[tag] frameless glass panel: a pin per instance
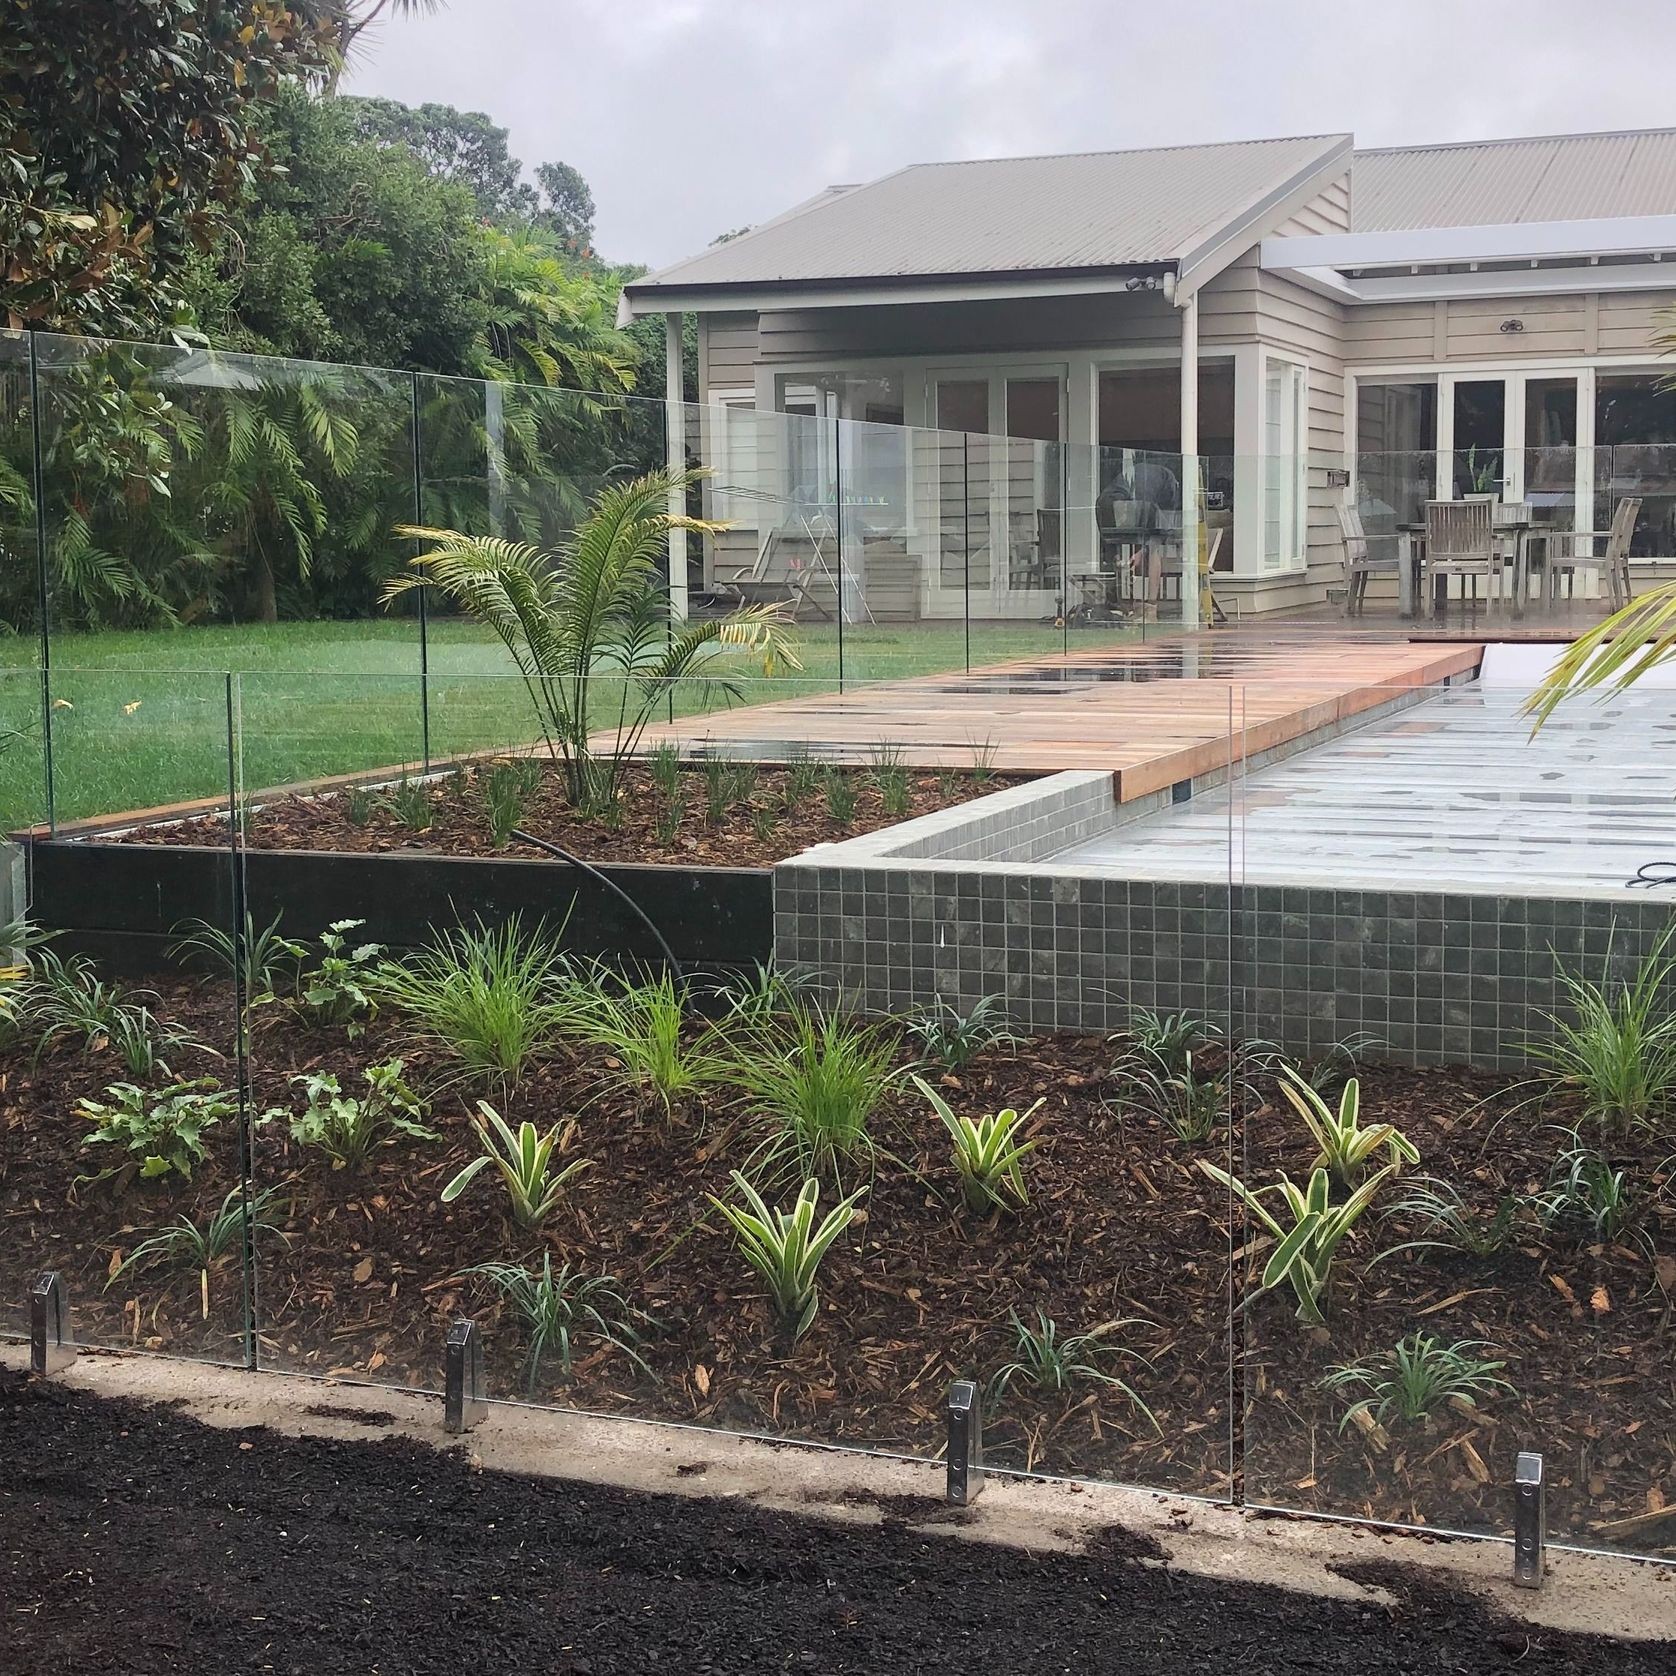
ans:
(1396, 463)
(1635, 455)
(121, 1068)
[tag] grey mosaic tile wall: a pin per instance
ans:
(1438, 978)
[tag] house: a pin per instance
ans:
(955, 377)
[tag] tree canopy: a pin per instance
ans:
(124, 131)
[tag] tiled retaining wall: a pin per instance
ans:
(1437, 978)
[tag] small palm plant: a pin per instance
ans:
(786, 1247)
(590, 630)
(1307, 1240)
(199, 1246)
(561, 1306)
(1411, 1382)
(1346, 1147)
(989, 1152)
(1053, 1360)
(527, 1162)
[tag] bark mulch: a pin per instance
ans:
(142, 1541)
(766, 819)
(367, 1269)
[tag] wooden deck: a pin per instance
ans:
(1154, 713)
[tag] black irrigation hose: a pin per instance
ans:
(1652, 875)
(615, 889)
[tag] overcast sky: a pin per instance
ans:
(691, 117)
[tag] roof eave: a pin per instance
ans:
(643, 297)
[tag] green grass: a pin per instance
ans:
(140, 718)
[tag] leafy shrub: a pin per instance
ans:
(65, 1000)
(164, 1130)
(1587, 1198)
(348, 1129)
(559, 1308)
(890, 779)
(646, 1028)
(786, 1247)
(1618, 1049)
(839, 790)
(727, 786)
(950, 1039)
(1191, 1102)
(1449, 1223)
(1052, 1360)
(503, 802)
(338, 989)
(263, 956)
(489, 997)
(663, 764)
(1411, 1382)
(188, 1244)
(528, 1164)
(1164, 1040)
(1345, 1146)
(813, 1083)
(410, 803)
(989, 1152)
(1308, 1238)
(768, 991)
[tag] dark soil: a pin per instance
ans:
(765, 819)
(367, 1269)
(139, 1541)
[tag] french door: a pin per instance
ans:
(1520, 436)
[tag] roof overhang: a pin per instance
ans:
(1623, 253)
(641, 299)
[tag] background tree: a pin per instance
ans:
(565, 206)
(125, 130)
(460, 146)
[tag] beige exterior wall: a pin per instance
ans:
(1579, 326)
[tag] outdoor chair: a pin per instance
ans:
(1461, 541)
(1564, 555)
(1359, 564)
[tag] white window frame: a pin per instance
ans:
(1292, 516)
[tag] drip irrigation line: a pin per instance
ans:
(615, 889)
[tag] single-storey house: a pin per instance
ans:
(971, 360)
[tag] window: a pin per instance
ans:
(732, 454)
(1635, 454)
(1284, 499)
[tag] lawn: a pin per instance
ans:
(141, 719)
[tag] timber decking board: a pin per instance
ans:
(1153, 713)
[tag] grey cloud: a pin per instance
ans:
(689, 117)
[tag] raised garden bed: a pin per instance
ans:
(366, 1268)
(732, 815)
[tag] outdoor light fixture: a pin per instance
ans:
(1511, 326)
(965, 1451)
(52, 1339)
(1528, 1521)
(1143, 282)
(463, 1404)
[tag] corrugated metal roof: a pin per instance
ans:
(1564, 177)
(1107, 209)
